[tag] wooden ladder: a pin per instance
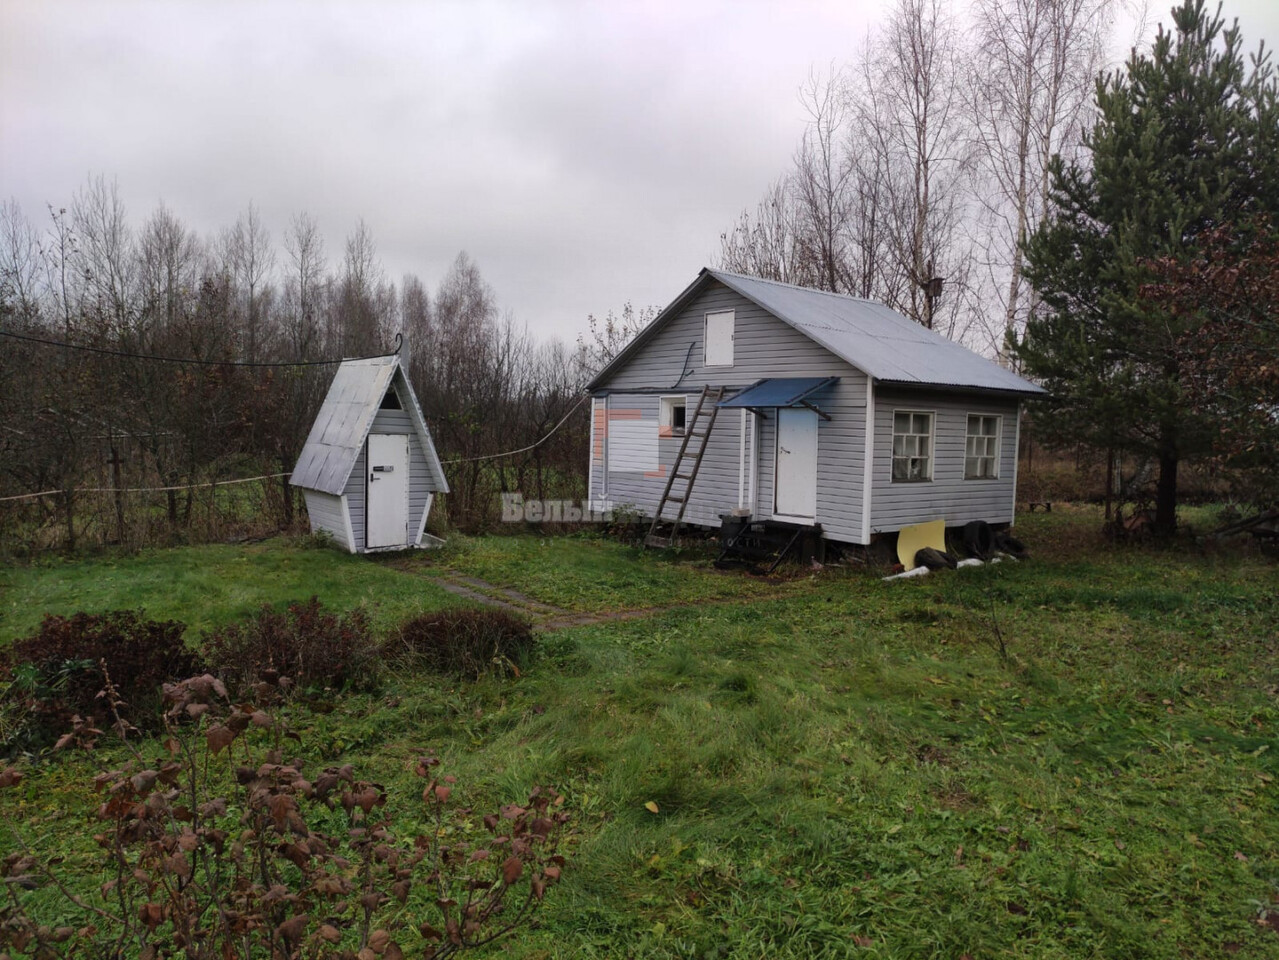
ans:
(699, 426)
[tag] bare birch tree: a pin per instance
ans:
(250, 261)
(21, 263)
(821, 184)
(105, 258)
(912, 79)
(1028, 94)
(767, 245)
(304, 286)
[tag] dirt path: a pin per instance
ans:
(545, 616)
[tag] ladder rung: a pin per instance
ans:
(674, 499)
(694, 433)
(683, 476)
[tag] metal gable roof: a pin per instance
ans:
(876, 339)
(872, 337)
(344, 420)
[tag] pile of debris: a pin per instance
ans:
(922, 548)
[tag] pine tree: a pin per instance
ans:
(1184, 144)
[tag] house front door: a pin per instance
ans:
(387, 505)
(796, 486)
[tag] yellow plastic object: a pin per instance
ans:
(910, 540)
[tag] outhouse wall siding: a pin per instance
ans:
(763, 346)
(355, 492)
(325, 511)
(948, 496)
(390, 422)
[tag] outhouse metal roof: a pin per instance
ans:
(344, 420)
(778, 392)
(872, 337)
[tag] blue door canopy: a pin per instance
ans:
(779, 392)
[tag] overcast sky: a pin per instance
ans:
(584, 154)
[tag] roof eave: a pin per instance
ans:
(1030, 391)
(650, 331)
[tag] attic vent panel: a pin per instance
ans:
(719, 339)
(391, 401)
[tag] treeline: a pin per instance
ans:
(924, 164)
(1112, 234)
(95, 425)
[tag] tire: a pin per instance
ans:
(979, 539)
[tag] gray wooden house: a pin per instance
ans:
(369, 471)
(829, 411)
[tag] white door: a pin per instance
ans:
(386, 522)
(796, 489)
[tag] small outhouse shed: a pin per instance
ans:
(831, 412)
(369, 470)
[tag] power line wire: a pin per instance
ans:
(192, 361)
(272, 476)
(531, 446)
(182, 486)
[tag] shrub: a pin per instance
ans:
(466, 642)
(58, 672)
(316, 647)
(235, 850)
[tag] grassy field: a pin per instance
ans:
(839, 766)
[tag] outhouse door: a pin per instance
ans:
(796, 487)
(387, 506)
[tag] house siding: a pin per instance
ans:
(325, 511)
(715, 490)
(948, 496)
(763, 346)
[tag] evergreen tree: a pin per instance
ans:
(1184, 144)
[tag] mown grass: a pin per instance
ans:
(851, 768)
(590, 574)
(207, 586)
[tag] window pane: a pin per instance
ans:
(989, 426)
(901, 423)
(899, 446)
(972, 467)
(899, 469)
(921, 423)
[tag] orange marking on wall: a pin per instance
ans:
(598, 430)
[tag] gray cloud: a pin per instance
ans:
(583, 153)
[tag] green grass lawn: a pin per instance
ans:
(208, 586)
(841, 767)
(592, 575)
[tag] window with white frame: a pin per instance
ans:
(912, 446)
(981, 447)
(671, 416)
(718, 339)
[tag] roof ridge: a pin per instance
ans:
(796, 286)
